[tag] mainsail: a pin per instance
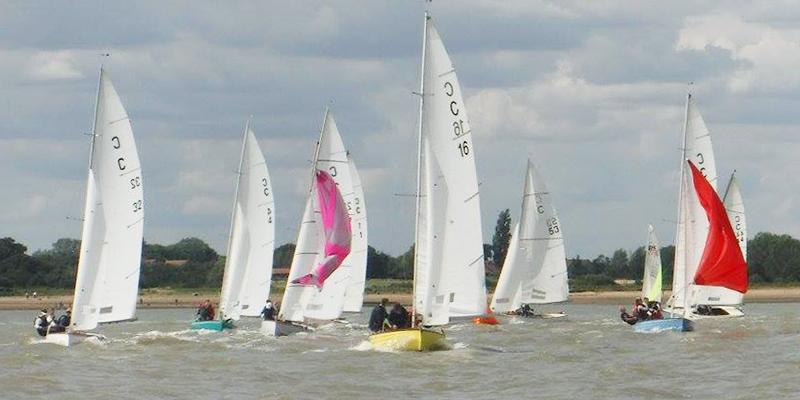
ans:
(107, 281)
(535, 270)
(651, 281)
(248, 265)
(734, 204)
(722, 263)
(357, 260)
(449, 262)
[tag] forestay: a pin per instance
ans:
(107, 281)
(446, 129)
(248, 266)
(652, 280)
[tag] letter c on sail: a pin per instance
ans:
(115, 142)
(121, 163)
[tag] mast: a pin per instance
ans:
(419, 171)
(233, 212)
(680, 203)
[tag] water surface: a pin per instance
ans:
(589, 355)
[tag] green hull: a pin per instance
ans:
(213, 325)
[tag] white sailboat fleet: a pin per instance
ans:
(251, 242)
(535, 268)
(107, 281)
(304, 305)
(689, 299)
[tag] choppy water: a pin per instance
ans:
(589, 355)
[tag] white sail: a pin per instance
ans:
(651, 281)
(692, 220)
(541, 248)
(507, 294)
(354, 293)
(248, 266)
(734, 204)
(306, 255)
(446, 128)
(301, 302)
(430, 295)
(107, 281)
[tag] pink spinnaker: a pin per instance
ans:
(336, 227)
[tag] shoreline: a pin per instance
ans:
(190, 300)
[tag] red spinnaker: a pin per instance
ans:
(722, 263)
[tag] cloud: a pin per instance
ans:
(767, 56)
(54, 65)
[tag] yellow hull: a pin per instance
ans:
(412, 339)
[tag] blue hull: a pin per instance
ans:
(213, 325)
(662, 325)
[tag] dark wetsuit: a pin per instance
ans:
(629, 319)
(398, 317)
(63, 321)
(377, 317)
(268, 313)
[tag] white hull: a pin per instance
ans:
(282, 328)
(69, 339)
(718, 312)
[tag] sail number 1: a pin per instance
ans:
(458, 122)
(135, 181)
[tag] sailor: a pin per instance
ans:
(398, 317)
(378, 317)
(655, 310)
(41, 323)
(206, 311)
(627, 318)
(64, 320)
(268, 312)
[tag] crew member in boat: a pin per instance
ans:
(268, 312)
(64, 320)
(206, 311)
(627, 318)
(398, 317)
(377, 320)
(42, 322)
(525, 310)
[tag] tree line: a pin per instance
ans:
(190, 263)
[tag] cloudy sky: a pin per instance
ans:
(593, 91)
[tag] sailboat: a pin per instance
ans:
(449, 277)
(652, 280)
(651, 289)
(692, 229)
(251, 241)
(303, 304)
(107, 281)
(535, 268)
